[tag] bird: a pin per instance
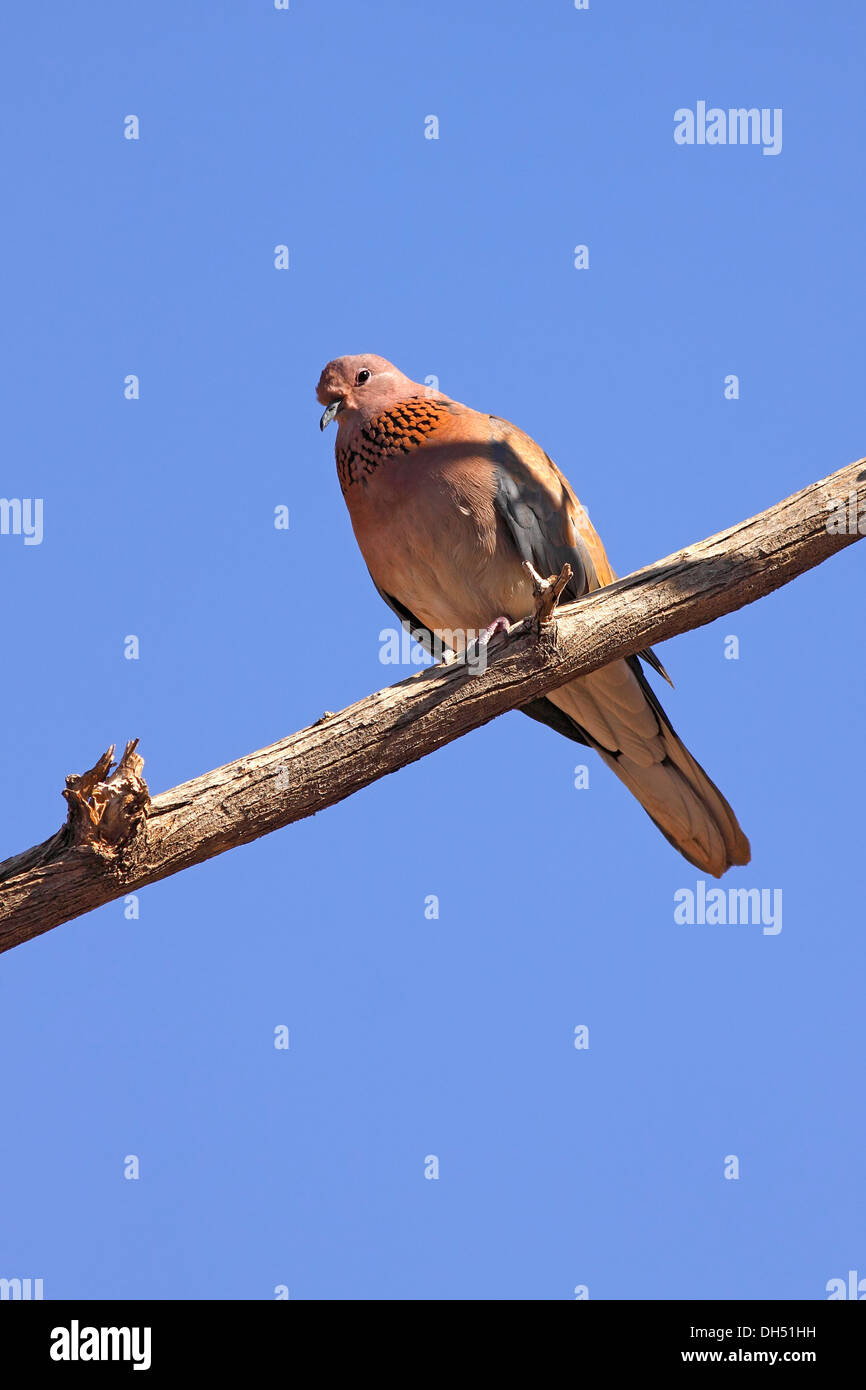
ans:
(453, 509)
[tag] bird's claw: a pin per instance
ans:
(474, 650)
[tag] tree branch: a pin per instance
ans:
(116, 839)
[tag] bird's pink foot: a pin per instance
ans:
(475, 649)
(499, 624)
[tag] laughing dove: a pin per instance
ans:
(447, 504)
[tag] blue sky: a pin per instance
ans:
(558, 1167)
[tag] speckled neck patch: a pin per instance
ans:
(396, 431)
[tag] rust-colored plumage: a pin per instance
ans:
(446, 504)
(396, 430)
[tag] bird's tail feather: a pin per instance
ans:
(616, 711)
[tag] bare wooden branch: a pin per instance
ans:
(116, 839)
(546, 592)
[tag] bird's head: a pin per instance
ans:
(358, 387)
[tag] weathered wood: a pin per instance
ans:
(116, 839)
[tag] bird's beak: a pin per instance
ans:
(328, 415)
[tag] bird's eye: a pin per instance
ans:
(362, 376)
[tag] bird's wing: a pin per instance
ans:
(546, 523)
(613, 709)
(421, 634)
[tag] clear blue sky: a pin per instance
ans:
(410, 1037)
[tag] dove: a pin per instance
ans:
(450, 506)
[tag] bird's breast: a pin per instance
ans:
(426, 525)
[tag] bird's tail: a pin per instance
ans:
(616, 711)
